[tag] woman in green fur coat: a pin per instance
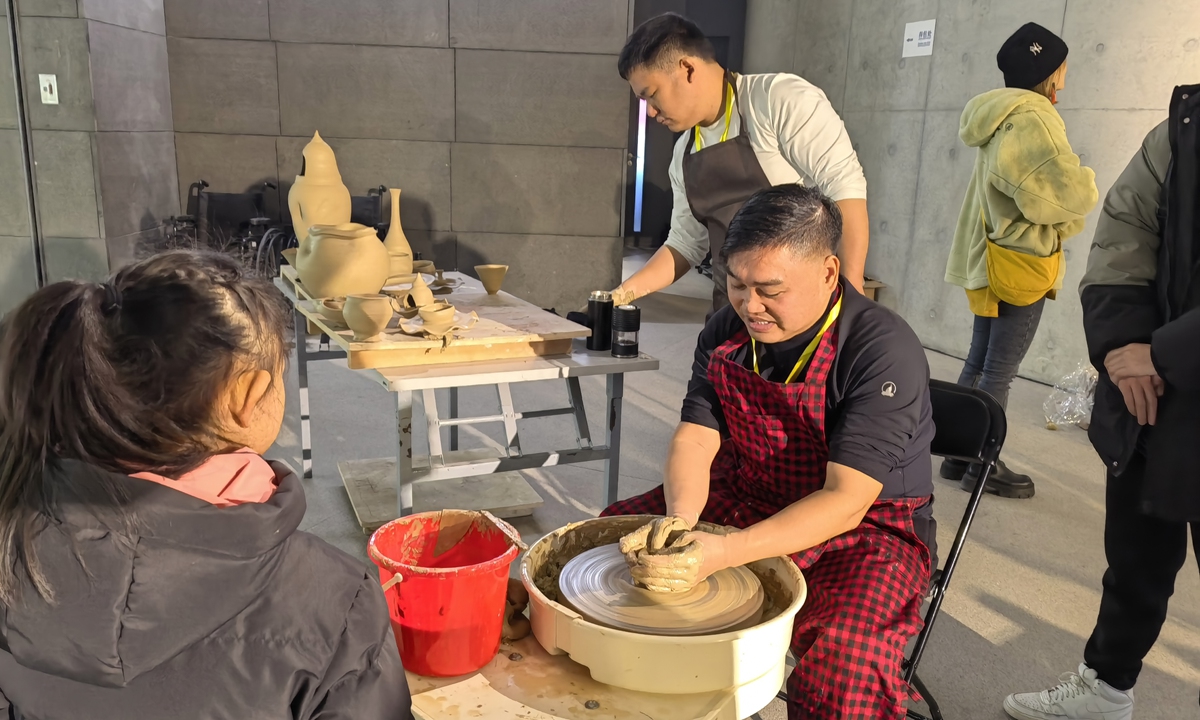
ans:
(1028, 194)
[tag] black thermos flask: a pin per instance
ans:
(600, 312)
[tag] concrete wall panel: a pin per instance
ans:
(66, 184)
(130, 78)
(14, 208)
(548, 271)
(772, 24)
(822, 43)
(361, 22)
(536, 190)
(138, 176)
(440, 247)
(75, 259)
(224, 86)
(541, 102)
(18, 273)
(47, 8)
(144, 15)
(358, 91)
(1130, 58)
(877, 77)
(420, 169)
(226, 19)
(8, 91)
(968, 37)
(59, 46)
(578, 26)
(888, 145)
(230, 163)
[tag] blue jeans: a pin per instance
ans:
(998, 345)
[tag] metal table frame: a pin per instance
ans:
(404, 381)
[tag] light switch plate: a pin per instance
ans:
(49, 85)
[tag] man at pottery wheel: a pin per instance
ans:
(806, 428)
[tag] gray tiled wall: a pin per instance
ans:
(144, 15)
(66, 184)
(129, 79)
(138, 177)
(59, 46)
(504, 122)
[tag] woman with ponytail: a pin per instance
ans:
(150, 563)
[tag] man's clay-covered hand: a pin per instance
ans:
(653, 537)
(687, 561)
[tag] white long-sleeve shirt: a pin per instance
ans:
(797, 137)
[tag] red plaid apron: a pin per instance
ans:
(865, 587)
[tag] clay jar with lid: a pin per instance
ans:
(345, 259)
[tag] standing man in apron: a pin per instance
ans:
(806, 426)
(744, 133)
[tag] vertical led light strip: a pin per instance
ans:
(639, 178)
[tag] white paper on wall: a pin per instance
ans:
(918, 38)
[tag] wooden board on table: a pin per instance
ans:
(371, 485)
(508, 328)
(525, 682)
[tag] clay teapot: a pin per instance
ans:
(345, 259)
(318, 197)
(396, 241)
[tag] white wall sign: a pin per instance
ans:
(918, 38)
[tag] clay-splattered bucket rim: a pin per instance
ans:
(399, 568)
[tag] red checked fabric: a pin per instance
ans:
(865, 587)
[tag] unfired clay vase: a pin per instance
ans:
(367, 315)
(345, 259)
(318, 197)
(492, 277)
(437, 317)
(331, 309)
(399, 267)
(420, 295)
(395, 241)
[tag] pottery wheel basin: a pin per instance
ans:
(597, 584)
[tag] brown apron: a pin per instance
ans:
(718, 180)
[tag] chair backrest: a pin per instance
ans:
(970, 424)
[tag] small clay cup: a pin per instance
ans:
(399, 265)
(332, 310)
(492, 277)
(423, 266)
(437, 317)
(367, 316)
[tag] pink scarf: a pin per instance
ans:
(225, 480)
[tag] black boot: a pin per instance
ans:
(954, 469)
(1002, 482)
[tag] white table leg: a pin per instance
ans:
(612, 435)
(404, 450)
(453, 414)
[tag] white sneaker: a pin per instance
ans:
(1079, 696)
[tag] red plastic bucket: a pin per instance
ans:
(447, 610)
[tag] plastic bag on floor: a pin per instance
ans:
(1070, 403)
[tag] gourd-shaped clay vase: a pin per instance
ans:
(396, 241)
(421, 295)
(318, 196)
(345, 259)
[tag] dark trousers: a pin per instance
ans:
(998, 345)
(1144, 556)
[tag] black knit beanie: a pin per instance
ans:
(1030, 56)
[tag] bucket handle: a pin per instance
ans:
(379, 560)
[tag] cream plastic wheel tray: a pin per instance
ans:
(750, 663)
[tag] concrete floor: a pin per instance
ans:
(1025, 594)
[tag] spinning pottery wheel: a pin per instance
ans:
(598, 586)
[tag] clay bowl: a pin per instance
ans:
(332, 310)
(437, 317)
(290, 255)
(423, 266)
(492, 277)
(367, 316)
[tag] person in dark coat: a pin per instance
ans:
(150, 563)
(1141, 315)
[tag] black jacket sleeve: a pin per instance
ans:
(365, 679)
(1175, 349)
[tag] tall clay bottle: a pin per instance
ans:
(318, 196)
(396, 242)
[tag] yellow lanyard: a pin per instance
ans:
(812, 346)
(728, 117)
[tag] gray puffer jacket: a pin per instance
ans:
(204, 612)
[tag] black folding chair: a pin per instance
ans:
(970, 426)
